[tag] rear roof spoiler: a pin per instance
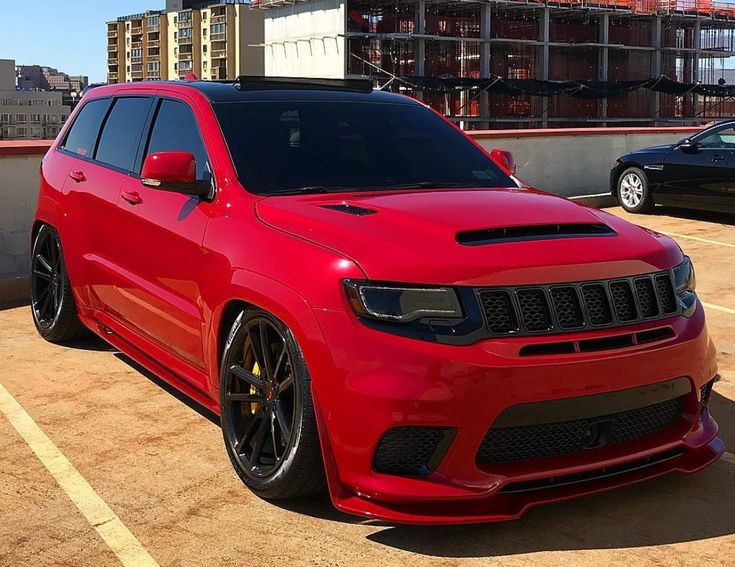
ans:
(255, 83)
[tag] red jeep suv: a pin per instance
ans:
(369, 300)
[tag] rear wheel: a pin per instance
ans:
(52, 301)
(634, 193)
(267, 415)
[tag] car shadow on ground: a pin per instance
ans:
(694, 215)
(183, 398)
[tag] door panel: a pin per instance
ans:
(161, 262)
(160, 267)
(702, 177)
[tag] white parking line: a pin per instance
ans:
(100, 516)
(727, 310)
(697, 238)
(728, 457)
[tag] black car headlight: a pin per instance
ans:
(685, 284)
(399, 303)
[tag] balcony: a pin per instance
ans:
(112, 61)
(219, 53)
(154, 43)
(186, 56)
(154, 29)
(112, 76)
(112, 33)
(219, 19)
(222, 36)
(185, 40)
(138, 30)
(136, 59)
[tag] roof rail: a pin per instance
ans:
(254, 83)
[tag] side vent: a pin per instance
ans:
(350, 209)
(532, 232)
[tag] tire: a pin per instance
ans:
(266, 406)
(53, 305)
(633, 191)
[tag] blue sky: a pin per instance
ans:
(67, 34)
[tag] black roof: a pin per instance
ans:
(288, 88)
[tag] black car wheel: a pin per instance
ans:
(634, 194)
(267, 414)
(52, 301)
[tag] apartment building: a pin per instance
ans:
(28, 114)
(217, 39)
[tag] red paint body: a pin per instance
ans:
(155, 277)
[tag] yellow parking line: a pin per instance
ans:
(727, 310)
(697, 238)
(120, 540)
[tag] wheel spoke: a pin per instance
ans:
(256, 348)
(285, 385)
(249, 377)
(42, 275)
(282, 420)
(248, 432)
(46, 302)
(45, 263)
(281, 358)
(243, 397)
(259, 438)
(273, 438)
(266, 349)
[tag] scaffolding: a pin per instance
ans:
(688, 41)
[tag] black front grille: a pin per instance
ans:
(566, 307)
(536, 441)
(411, 450)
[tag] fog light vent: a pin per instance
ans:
(412, 451)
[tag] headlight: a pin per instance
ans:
(685, 283)
(401, 303)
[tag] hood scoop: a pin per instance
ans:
(350, 209)
(532, 232)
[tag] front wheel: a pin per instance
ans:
(634, 193)
(267, 415)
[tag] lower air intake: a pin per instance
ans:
(412, 451)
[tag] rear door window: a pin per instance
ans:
(121, 134)
(82, 136)
(175, 130)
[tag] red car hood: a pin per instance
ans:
(411, 236)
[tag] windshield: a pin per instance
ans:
(290, 146)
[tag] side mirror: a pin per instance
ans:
(505, 160)
(173, 171)
(688, 146)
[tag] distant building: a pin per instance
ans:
(28, 114)
(46, 78)
(218, 39)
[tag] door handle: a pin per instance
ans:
(132, 197)
(77, 175)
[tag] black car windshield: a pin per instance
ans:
(318, 146)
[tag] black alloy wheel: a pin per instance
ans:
(266, 411)
(52, 301)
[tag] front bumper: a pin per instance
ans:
(375, 381)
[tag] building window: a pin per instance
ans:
(218, 28)
(204, 32)
(154, 67)
(185, 32)
(204, 65)
(153, 20)
(176, 36)
(4, 118)
(204, 48)
(22, 132)
(35, 118)
(21, 118)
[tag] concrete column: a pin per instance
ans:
(419, 44)
(603, 60)
(656, 43)
(544, 24)
(485, 34)
(697, 45)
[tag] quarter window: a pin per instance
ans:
(176, 130)
(83, 134)
(121, 135)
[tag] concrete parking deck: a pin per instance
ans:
(158, 463)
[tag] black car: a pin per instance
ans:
(695, 173)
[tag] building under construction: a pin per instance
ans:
(398, 42)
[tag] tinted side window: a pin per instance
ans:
(83, 134)
(175, 130)
(121, 134)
